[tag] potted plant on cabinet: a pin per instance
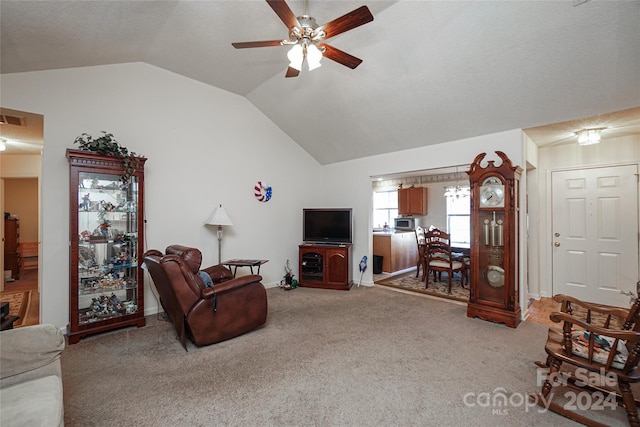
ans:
(107, 145)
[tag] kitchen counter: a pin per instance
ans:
(398, 249)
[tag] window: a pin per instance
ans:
(385, 208)
(459, 221)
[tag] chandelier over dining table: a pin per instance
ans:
(456, 191)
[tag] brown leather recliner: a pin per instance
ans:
(207, 315)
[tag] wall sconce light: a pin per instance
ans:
(589, 136)
(3, 145)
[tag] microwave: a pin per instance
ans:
(407, 223)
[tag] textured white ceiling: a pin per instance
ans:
(433, 71)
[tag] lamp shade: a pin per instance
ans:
(296, 56)
(313, 57)
(219, 217)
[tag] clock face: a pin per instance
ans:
(492, 193)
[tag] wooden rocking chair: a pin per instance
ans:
(598, 341)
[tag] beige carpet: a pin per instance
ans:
(370, 356)
(409, 281)
(18, 305)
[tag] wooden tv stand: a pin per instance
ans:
(325, 266)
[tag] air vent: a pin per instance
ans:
(11, 120)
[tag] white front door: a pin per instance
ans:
(595, 233)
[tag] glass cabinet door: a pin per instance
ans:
(106, 228)
(107, 247)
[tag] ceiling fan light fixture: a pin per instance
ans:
(304, 33)
(589, 136)
(296, 56)
(313, 57)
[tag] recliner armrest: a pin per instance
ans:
(230, 285)
(218, 273)
(152, 252)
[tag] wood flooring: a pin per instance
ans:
(539, 311)
(28, 282)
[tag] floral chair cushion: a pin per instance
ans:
(601, 348)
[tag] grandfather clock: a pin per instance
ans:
(494, 241)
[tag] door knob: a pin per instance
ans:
(556, 244)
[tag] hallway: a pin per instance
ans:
(28, 282)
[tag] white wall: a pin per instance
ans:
(205, 146)
(349, 183)
(530, 226)
(19, 166)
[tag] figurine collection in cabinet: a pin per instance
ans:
(106, 238)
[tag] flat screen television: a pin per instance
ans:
(327, 225)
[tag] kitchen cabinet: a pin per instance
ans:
(398, 250)
(412, 201)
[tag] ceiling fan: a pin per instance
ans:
(307, 37)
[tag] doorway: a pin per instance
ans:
(595, 233)
(21, 284)
(20, 166)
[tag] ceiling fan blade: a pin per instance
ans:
(347, 22)
(265, 43)
(292, 72)
(341, 57)
(283, 11)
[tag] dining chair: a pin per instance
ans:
(421, 261)
(439, 258)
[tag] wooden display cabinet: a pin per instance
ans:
(11, 244)
(412, 201)
(106, 236)
(325, 266)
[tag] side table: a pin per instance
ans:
(235, 263)
(7, 322)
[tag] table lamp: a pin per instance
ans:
(219, 217)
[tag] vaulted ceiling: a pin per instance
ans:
(432, 71)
